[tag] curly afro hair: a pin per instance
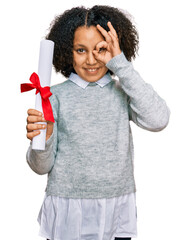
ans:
(64, 26)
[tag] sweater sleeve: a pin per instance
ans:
(42, 161)
(146, 108)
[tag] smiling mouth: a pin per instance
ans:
(92, 70)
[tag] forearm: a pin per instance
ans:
(148, 109)
(41, 161)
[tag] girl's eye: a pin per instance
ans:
(102, 49)
(80, 50)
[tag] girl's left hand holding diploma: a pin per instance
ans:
(109, 48)
(33, 128)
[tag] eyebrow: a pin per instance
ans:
(79, 45)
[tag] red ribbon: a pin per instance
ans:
(44, 92)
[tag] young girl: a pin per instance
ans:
(90, 193)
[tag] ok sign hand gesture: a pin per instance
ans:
(109, 48)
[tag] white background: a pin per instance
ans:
(162, 160)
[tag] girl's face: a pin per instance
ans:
(84, 61)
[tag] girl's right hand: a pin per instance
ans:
(110, 46)
(35, 116)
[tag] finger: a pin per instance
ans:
(101, 45)
(114, 39)
(32, 127)
(31, 135)
(101, 48)
(33, 119)
(104, 33)
(99, 57)
(112, 29)
(34, 112)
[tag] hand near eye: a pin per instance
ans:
(109, 48)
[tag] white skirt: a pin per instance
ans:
(88, 219)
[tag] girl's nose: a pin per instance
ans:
(91, 59)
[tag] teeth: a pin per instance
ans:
(92, 70)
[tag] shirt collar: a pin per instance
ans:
(83, 84)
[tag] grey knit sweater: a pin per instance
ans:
(90, 153)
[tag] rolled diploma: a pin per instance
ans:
(44, 73)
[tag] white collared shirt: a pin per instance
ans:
(83, 84)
